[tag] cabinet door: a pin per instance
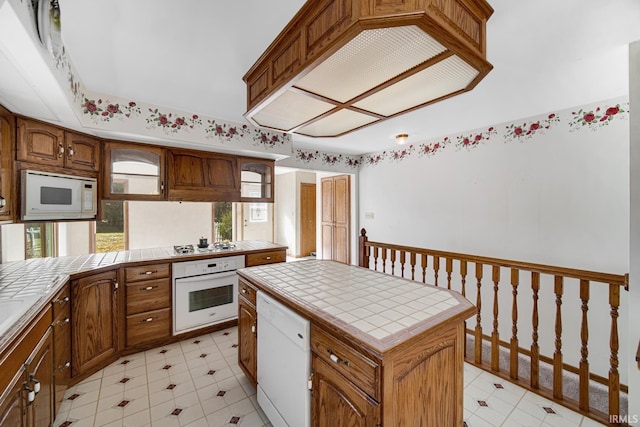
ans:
(12, 402)
(40, 143)
(82, 152)
(40, 380)
(247, 340)
(337, 402)
(201, 176)
(133, 171)
(95, 316)
(7, 141)
(341, 217)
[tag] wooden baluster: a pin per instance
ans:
(413, 266)
(478, 332)
(535, 348)
(557, 355)
(402, 261)
(449, 267)
(513, 350)
(363, 249)
(584, 350)
(384, 260)
(393, 262)
(495, 337)
(375, 258)
(614, 376)
(436, 268)
(463, 274)
(425, 259)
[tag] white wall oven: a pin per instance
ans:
(205, 292)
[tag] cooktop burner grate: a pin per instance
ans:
(183, 249)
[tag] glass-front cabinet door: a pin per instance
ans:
(134, 172)
(256, 180)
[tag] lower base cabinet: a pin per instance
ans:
(27, 399)
(94, 310)
(336, 401)
(248, 340)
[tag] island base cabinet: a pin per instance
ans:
(335, 401)
(248, 340)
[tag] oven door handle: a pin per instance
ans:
(205, 277)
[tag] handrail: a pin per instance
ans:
(471, 282)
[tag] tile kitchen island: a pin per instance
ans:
(384, 350)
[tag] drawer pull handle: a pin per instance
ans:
(253, 328)
(67, 365)
(31, 396)
(336, 359)
(268, 258)
(64, 322)
(244, 290)
(149, 288)
(36, 385)
(146, 273)
(148, 319)
(63, 300)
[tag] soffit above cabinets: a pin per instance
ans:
(340, 65)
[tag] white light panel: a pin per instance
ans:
(289, 110)
(370, 59)
(336, 123)
(445, 77)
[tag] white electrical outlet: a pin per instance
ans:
(368, 215)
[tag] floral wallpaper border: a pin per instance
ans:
(582, 119)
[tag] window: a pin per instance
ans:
(110, 234)
(39, 240)
(222, 221)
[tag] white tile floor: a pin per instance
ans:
(198, 383)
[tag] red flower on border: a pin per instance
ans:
(612, 111)
(589, 117)
(162, 119)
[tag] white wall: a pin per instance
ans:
(559, 197)
(164, 224)
(12, 242)
(287, 209)
(634, 273)
(74, 238)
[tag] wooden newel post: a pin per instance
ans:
(363, 250)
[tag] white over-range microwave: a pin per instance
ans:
(52, 196)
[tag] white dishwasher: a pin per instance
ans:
(284, 364)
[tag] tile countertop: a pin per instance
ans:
(25, 286)
(375, 308)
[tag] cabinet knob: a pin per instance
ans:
(253, 328)
(3, 202)
(149, 288)
(244, 290)
(64, 322)
(60, 149)
(63, 300)
(268, 258)
(31, 395)
(148, 319)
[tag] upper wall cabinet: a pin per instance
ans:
(7, 183)
(48, 145)
(133, 171)
(256, 180)
(203, 176)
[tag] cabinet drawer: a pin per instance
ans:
(265, 258)
(362, 371)
(148, 295)
(146, 272)
(148, 326)
(62, 302)
(246, 290)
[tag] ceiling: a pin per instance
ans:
(191, 56)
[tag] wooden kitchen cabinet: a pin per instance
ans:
(256, 180)
(94, 329)
(268, 257)
(61, 327)
(133, 171)
(248, 332)
(7, 154)
(26, 376)
(148, 304)
(336, 401)
(203, 176)
(336, 218)
(47, 145)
